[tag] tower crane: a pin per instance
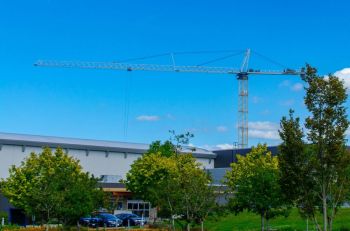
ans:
(241, 73)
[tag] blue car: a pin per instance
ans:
(90, 221)
(108, 220)
(131, 219)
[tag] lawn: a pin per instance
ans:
(249, 221)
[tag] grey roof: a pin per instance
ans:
(87, 144)
(225, 157)
(111, 185)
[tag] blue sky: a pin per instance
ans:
(143, 106)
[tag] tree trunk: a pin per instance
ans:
(330, 224)
(78, 225)
(188, 227)
(324, 206)
(331, 217)
(202, 226)
(318, 228)
(267, 224)
(172, 223)
(262, 222)
(48, 220)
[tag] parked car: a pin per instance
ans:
(84, 221)
(109, 220)
(131, 219)
(90, 221)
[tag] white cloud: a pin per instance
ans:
(294, 87)
(261, 134)
(224, 146)
(288, 102)
(262, 125)
(344, 74)
(256, 99)
(147, 118)
(221, 128)
(192, 130)
(206, 146)
(217, 146)
(265, 112)
(170, 116)
(297, 87)
(285, 83)
(263, 130)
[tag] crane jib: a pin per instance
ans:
(241, 73)
(164, 68)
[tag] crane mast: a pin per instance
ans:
(242, 125)
(242, 76)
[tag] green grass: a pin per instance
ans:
(248, 221)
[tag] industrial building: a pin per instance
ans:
(97, 157)
(106, 159)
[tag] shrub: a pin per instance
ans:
(4, 215)
(10, 227)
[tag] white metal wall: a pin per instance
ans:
(96, 162)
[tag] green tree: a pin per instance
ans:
(291, 158)
(166, 149)
(179, 140)
(4, 215)
(197, 197)
(174, 183)
(327, 124)
(324, 178)
(152, 178)
(296, 168)
(52, 185)
(254, 181)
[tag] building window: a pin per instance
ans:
(138, 207)
(120, 205)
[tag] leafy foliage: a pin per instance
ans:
(151, 178)
(4, 215)
(175, 183)
(166, 149)
(180, 139)
(254, 181)
(317, 174)
(197, 197)
(296, 167)
(52, 185)
(325, 98)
